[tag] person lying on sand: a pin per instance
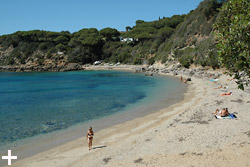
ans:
(223, 113)
(224, 94)
(217, 112)
(218, 87)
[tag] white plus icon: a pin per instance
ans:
(9, 157)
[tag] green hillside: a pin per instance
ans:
(184, 38)
(193, 40)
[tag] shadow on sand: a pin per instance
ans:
(96, 147)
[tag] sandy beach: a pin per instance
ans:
(185, 134)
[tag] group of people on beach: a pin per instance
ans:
(223, 113)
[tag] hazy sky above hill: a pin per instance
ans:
(73, 15)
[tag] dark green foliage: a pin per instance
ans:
(206, 53)
(186, 60)
(61, 40)
(89, 45)
(88, 37)
(10, 61)
(111, 49)
(162, 28)
(151, 60)
(109, 33)
(150, 36)
(60, 47)
(164, 33)
(186, 38)
(124, 55)
(40, 61)
(85, 46)
(185, 56)
(23, 60)
(197, 22)
(163, 51)
(137, 59)
(213, 59)
(139, 22)
(26, 43)
(128, 28)
(49, 55)
(80, 55)
(143, 36)
(44, 46)
(16, 54)
(194, 32)
(232, 31)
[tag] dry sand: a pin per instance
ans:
(185, 134)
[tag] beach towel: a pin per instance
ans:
(214, 80)
(226, 94)
(231, 116)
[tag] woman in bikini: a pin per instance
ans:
(89, 137)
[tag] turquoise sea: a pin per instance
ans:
(33, 103)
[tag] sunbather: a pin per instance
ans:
(218, 87)
(223, 113)
(228, 93)
(217, 112)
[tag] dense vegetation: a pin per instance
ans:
(232, 31)
(187, 39)
(89, 45)
(193, 41)
(147, 37)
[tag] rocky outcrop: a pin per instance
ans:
(199, 72)
(72, 67)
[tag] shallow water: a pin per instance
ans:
(34, 103)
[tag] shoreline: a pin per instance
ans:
(47, 141)
(186, 130)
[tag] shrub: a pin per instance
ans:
(49, 55)
(40, 61)
(60, 47)
(11, 61)
(186, 60)
(137, 59)
(151, 60)
(23, 60)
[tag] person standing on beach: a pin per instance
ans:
(89, 137)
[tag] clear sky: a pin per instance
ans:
(73, 15)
